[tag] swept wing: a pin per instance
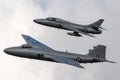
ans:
(66, 61)
(35, 43)
(76, 30)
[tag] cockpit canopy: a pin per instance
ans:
(26, 46)
(51, 19)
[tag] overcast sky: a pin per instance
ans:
(16, 18)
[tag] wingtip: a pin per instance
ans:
(83, 67)
(23, 35)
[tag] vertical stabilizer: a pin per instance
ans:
(99, 51)
(98, 23)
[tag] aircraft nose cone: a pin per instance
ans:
(34, 20)
(8, 50)
(39, 21)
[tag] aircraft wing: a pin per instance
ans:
(35, 43)
(86, 34)
(76, 30)
(66, 61)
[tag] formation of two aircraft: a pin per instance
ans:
(36, 50)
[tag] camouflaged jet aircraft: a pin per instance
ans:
(94, 28)
(37, 50)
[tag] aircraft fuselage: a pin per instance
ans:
(36, 53)
(57, 24)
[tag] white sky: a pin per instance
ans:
(16, 18)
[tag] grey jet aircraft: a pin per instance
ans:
(37, 50)
(94, 28)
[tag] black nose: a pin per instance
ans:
(6, 50)
(34, 20)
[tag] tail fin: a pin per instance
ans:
(99, 51)
(96, 24)
(99, 22)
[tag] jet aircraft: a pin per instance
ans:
(94, 28)
(34, 49)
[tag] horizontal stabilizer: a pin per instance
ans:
(109, 61)
(103, 28)
(104, 60)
